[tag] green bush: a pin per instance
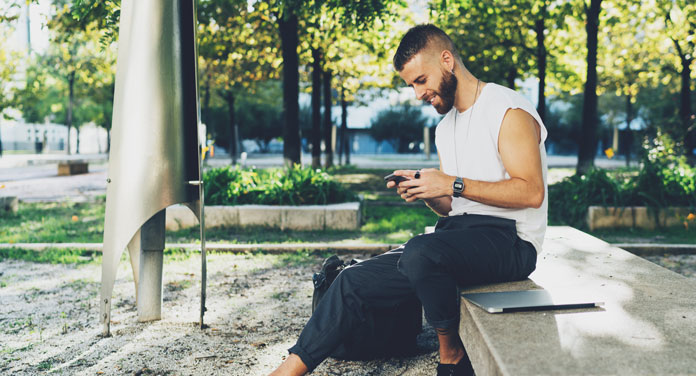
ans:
(570, 198)
(665, 179)
(292, 186)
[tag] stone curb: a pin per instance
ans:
(346, 216)
(657, 249)
(637, 249)
(634, 216)
(259, 247)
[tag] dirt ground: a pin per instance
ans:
(257, 306)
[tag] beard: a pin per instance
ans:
(446, 92)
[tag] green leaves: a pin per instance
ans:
(399, 125)
(293, 186)
(664, 180)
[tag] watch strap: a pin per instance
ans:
(457, 187)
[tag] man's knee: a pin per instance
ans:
(417, 258)
(351, 281)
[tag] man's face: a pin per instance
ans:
(430, 82)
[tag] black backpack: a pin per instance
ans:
(386, 332)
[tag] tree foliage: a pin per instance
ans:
(237, 50)
(260, 116)
(644, 68)
(400, 126)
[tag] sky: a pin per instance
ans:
(38, 16)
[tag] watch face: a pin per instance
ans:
(458, 185)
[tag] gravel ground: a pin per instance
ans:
(682, 264)
(257, 306)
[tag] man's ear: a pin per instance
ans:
(447, 61)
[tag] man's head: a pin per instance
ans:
(425, 60)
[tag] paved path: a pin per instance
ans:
(42, 183)
(35, 178)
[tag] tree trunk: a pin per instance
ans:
(291, 88)
(511, 76)
(344, 127)
(316, 107)
(629, 119)
(234, 142)
(588, 135)
(71, 99)
(0, 135)
(206, 101)
(541, 62)
(77, 140)
(328, 126)
(108, 116)
(685, 105)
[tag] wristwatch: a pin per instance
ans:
(457, 187)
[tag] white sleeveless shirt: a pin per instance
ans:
(478, 158)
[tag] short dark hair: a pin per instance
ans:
(416, 39)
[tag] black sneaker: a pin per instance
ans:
(463, 368)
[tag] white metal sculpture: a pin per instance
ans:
(155, 157)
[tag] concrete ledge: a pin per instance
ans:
(341, 248)
(634, 216)
(658, 249)
(8, 204)
(646, 327)
(344, 216)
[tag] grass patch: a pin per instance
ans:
(56, 222)
(44, 365)
(10, 350)
(382, 224)
(247, 235)
(363, 181)
(389, 219)
(283, 296)
(299, 258)
(177, 254)
(53, 222)
(51, 256)
(178, 285)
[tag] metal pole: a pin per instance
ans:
(426, 142)
(150, 276)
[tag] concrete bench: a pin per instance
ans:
(646, 327)
(67, 168)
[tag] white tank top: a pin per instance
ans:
(478, 157)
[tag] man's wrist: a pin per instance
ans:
(457, 187)
(450, 185)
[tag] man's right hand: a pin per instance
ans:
(409, 174)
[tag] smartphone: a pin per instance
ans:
(395, 178)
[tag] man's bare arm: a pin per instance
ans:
(441, 205)
(518, 144)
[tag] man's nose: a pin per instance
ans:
(420, 92)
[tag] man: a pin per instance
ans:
(490, 191)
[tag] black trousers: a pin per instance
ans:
(464, 250)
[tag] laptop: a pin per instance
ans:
(529, 300)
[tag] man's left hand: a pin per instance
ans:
(432, 183)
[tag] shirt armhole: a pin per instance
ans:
(495, 133)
